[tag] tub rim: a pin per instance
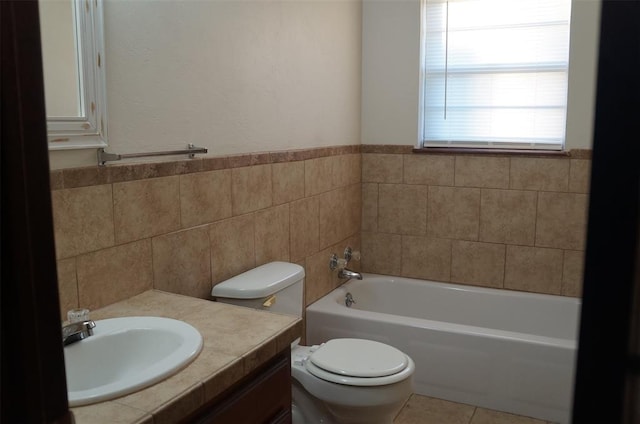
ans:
(331, 303)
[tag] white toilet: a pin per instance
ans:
(340, 381)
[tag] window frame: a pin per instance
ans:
(489, 146)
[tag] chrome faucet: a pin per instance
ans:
(341, 264)
(347, 273)
(77, 331)
(349, 300)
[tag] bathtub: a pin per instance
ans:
(498, 349)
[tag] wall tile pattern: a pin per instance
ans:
(184, 226)
(505, 221)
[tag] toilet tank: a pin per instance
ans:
(275, 287)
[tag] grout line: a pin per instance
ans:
(564, 255)
(208, 227)
(479, 213)
(289, 229)
(473, 415)
(535, 220)
(404, 405)
(291, 233)
(271, 201)
(402, 241)
(113, 214)
(180, 201)
(504, 270)
(153, 269)
(377, 226)
(304, 179)
(232, 197)
(450, 261)
(75, 271)
(455, 159)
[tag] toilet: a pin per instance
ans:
(345, 380)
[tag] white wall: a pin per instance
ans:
(583, 67)
(59, 58)
(234, 76)
(390, 72)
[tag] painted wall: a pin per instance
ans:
(59, 57)
(232, 76)
(390, 72)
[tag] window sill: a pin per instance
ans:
(570, 154)
(403, 149)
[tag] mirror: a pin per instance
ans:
(73, 62)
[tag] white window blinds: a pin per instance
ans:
(495, 73)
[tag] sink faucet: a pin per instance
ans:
(77, 331)
(347, 273)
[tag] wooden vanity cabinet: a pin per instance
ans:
(262, 397)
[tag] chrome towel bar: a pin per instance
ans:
(191, 150)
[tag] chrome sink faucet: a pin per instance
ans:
(77, 331)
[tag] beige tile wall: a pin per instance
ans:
(506, 222)
(498, 221)
(183, 226)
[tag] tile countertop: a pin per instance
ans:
(237, 340)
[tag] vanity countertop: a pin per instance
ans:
(237, 341)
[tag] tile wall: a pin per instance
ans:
(499, 221)
(181, 226)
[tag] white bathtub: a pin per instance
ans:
(499, 349)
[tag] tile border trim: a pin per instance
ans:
(98, 175)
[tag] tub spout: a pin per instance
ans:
(347, 273)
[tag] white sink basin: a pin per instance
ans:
(127, 354)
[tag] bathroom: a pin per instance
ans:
(321, 132)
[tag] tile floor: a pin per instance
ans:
(427, 410)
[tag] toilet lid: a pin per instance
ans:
(359, 358)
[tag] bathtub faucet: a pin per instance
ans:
(347, 273)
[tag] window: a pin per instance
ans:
(494, 73)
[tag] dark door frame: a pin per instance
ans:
(606, 362)
(33, 378)
(33, 383)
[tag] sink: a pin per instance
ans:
(127, 354)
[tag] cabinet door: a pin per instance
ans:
(265, 397)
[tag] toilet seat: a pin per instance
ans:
(359, 362)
